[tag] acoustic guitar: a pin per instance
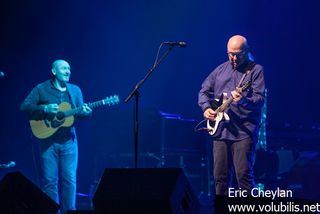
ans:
(43, 129)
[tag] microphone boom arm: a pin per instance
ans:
(140, 83)
(136, 94)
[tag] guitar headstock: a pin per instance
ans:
(111, 100)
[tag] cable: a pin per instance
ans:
(196, 128)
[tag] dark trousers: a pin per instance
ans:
(229, 157)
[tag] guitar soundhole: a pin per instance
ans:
(60, 116)
(56, 123)
(58, 120)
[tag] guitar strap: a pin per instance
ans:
(246, 73)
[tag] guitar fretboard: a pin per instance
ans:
(225, 105)
(91, 105)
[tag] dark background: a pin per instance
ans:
(112, 44)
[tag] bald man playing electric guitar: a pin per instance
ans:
(234, 124)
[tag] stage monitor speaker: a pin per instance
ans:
(18, 195)
(145, 190)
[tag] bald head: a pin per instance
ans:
(238, 50)
(237, 42)
(58, 62)
(61, 70)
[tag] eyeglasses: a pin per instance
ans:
(232, 54)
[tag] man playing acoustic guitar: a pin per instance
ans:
(59, 151)
(242, 81)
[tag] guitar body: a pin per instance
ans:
(215, 126)
(46, 128)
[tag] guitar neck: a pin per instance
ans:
(78, 109)
(225, 105)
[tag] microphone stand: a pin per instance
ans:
(136, 94)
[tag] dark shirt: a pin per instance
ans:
(45, 93)
(244, 115)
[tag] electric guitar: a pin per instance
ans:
(215, 126)
(43, 129)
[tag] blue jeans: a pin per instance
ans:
(59, 165)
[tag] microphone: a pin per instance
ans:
(2, 74)
(180, 44)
